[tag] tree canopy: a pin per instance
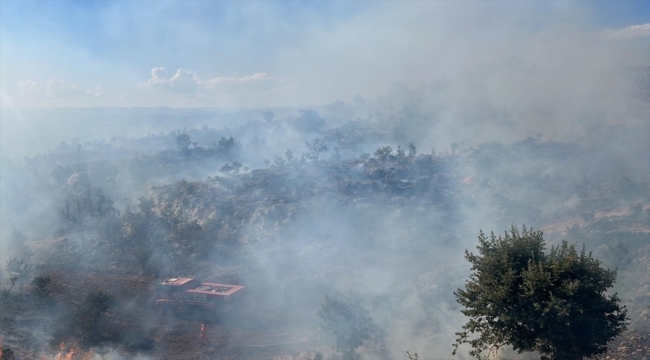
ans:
(555, 303)
(183, 142)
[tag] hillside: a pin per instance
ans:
(387, 229)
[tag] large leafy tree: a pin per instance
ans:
(554, 303)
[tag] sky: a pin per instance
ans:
(290, 53)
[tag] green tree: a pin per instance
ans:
(91, 313)
(235, 168)
(279, 162)
(289, 155)
(315, 148)
(383, 153)
(553, 303)
(183, 142)
(412, 152)
(400, 152)
(228, 147)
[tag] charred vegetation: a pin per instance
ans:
(348, 236)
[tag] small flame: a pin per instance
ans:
(72, 354)
(88, 355)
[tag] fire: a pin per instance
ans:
(72, 353)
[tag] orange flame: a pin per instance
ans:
(72, 354)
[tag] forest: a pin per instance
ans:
(351, 208)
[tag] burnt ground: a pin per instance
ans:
(177, 222)
(177, 337)
(27, 321)
(172, 336)
(181, 341)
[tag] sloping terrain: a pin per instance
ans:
(389, 230)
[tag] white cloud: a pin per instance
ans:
(630, 32)
(185, 81)
(158, 77)
(56, 88)
(319, 59)
(189, 82)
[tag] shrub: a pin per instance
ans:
(41, 286)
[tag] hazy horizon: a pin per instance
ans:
(352, 149)
(291, 54)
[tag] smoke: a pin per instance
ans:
(516, 112)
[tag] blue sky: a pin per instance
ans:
(217, 53)
(619, 14)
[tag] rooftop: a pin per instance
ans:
(216, 289)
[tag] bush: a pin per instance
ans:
(7, 354)
(41, 286)
(91, 314)
(86, 209)
(183, 142)
(228, 147)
